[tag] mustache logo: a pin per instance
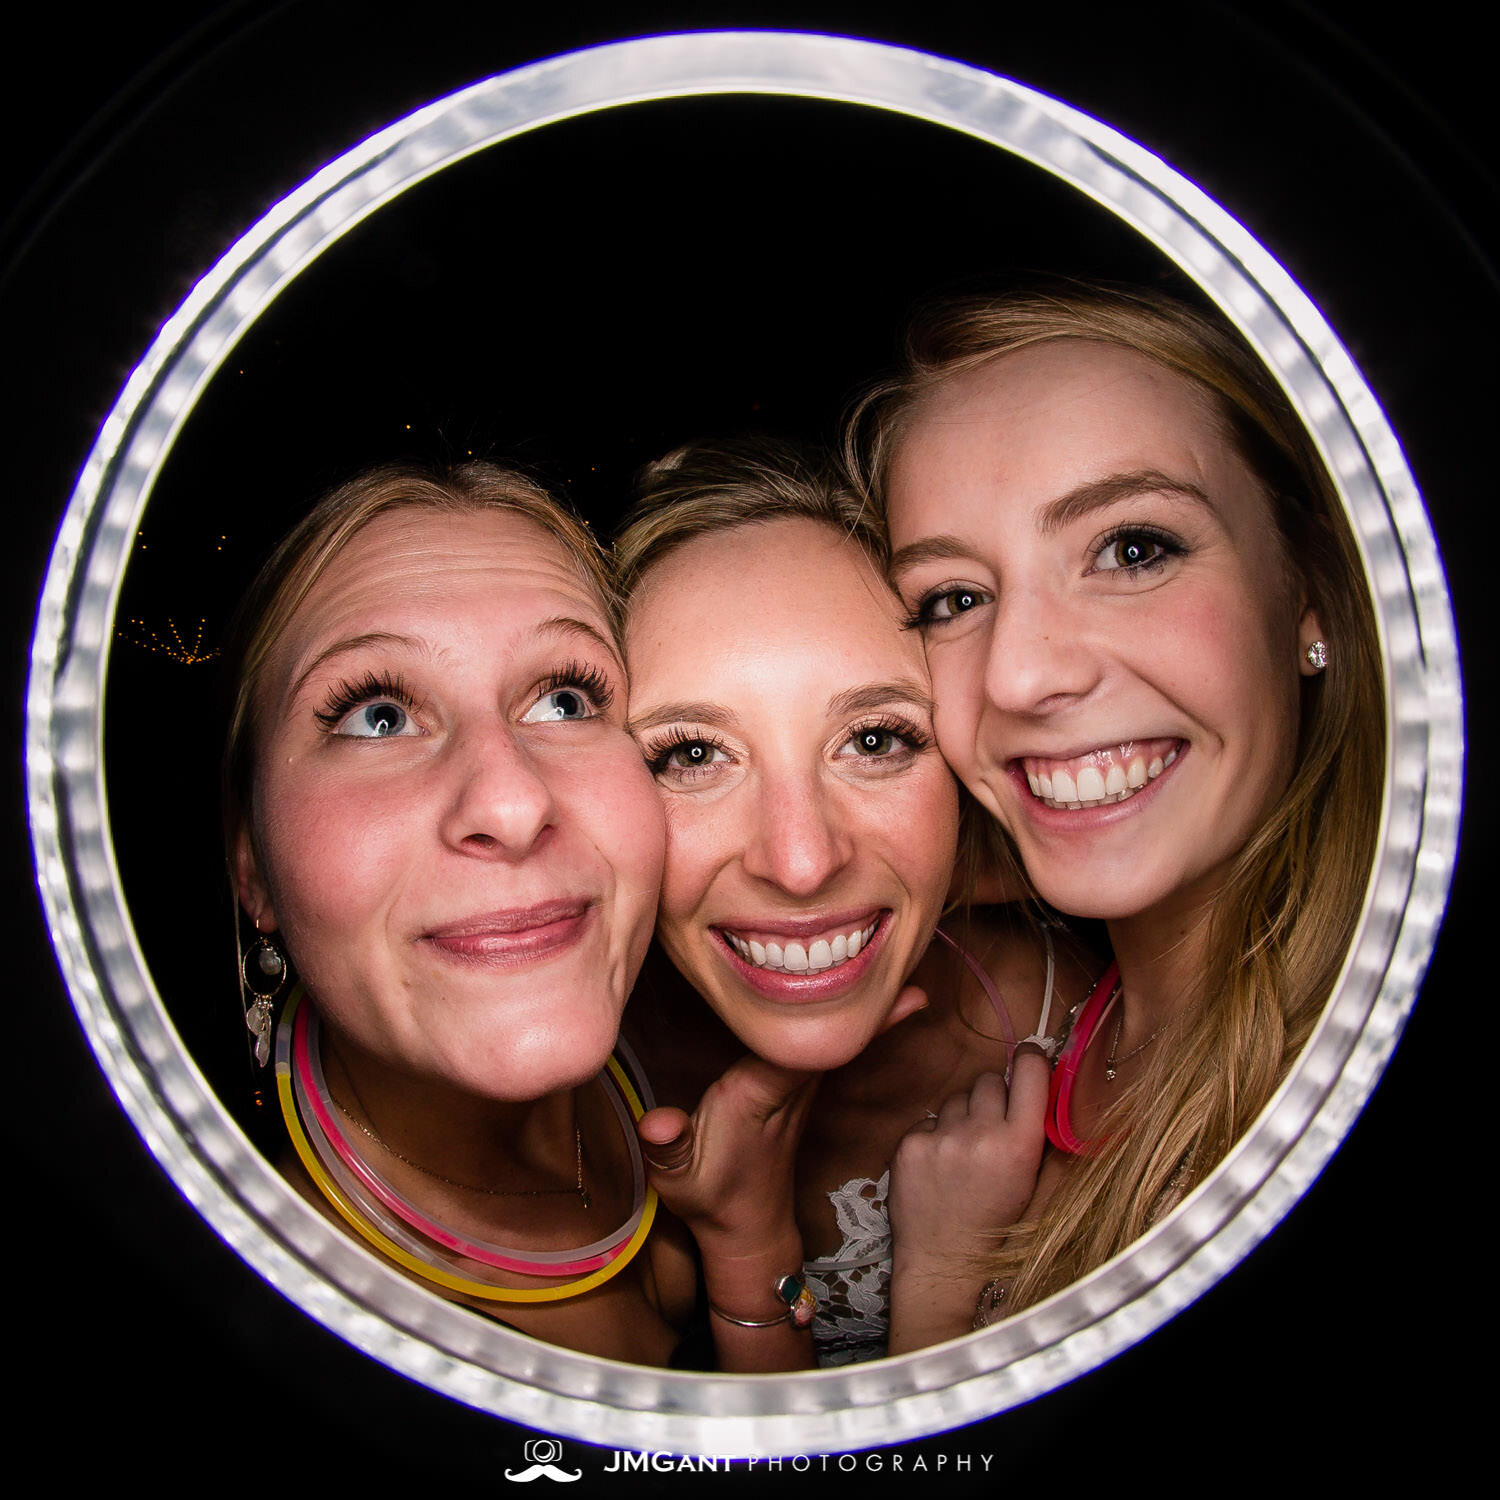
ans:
(547, 1471)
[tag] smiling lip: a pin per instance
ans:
(518, 935)
(802, 939)
(1098, 785)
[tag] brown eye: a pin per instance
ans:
(874, 742)
(683, 757)
(686, 757)
(1133, 552)
(955, 602)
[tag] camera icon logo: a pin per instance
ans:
(541, 1455)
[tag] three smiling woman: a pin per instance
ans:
(1123, 606)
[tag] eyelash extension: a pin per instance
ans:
(583, 675)
(373, 687)
(657, 751)
(904, 730)
(1169, 544)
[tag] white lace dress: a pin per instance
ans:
(853, 1285)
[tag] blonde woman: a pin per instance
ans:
(1155, 666)
(786, 715)
(438, 822)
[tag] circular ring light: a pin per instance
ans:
(453, 1350)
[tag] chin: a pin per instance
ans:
(531, 1067)
(805, 1050)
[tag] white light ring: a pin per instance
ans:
(455, 1351)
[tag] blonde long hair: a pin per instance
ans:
(1282, 924)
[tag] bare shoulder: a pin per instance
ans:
(1016, 950)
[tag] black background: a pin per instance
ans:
(141, 146)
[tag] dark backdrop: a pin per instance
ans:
(581, 300)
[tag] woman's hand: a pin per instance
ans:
(957, 1180)
(727, 1171)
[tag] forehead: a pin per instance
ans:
(1070, 404)
(791, 588)
(428, 569)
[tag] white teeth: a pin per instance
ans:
(1090, 785)
(1094, 787)
(795, 959)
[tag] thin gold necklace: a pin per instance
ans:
(1112, 1062)
(468, 1187)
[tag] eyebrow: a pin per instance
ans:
(852, 701)
(929, 549)
(1056, 514)
(1099, 493)
(557, 625)
(860, 700)
(567, 625)
(713, 714)
(353, 643)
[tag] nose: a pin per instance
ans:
(1040, 657)
(800, 841)
(499, 803)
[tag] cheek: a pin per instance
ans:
(957, 690)
(931, 805)
(615, 803)
(1239, 662)
(699, 842)
(334, 855)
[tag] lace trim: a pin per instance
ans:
(853, 1285)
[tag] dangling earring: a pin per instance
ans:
(262, 973)
(1317, 656)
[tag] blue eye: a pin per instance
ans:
(376, 721)
(576, 691)
(377, 706)
(565, 704)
